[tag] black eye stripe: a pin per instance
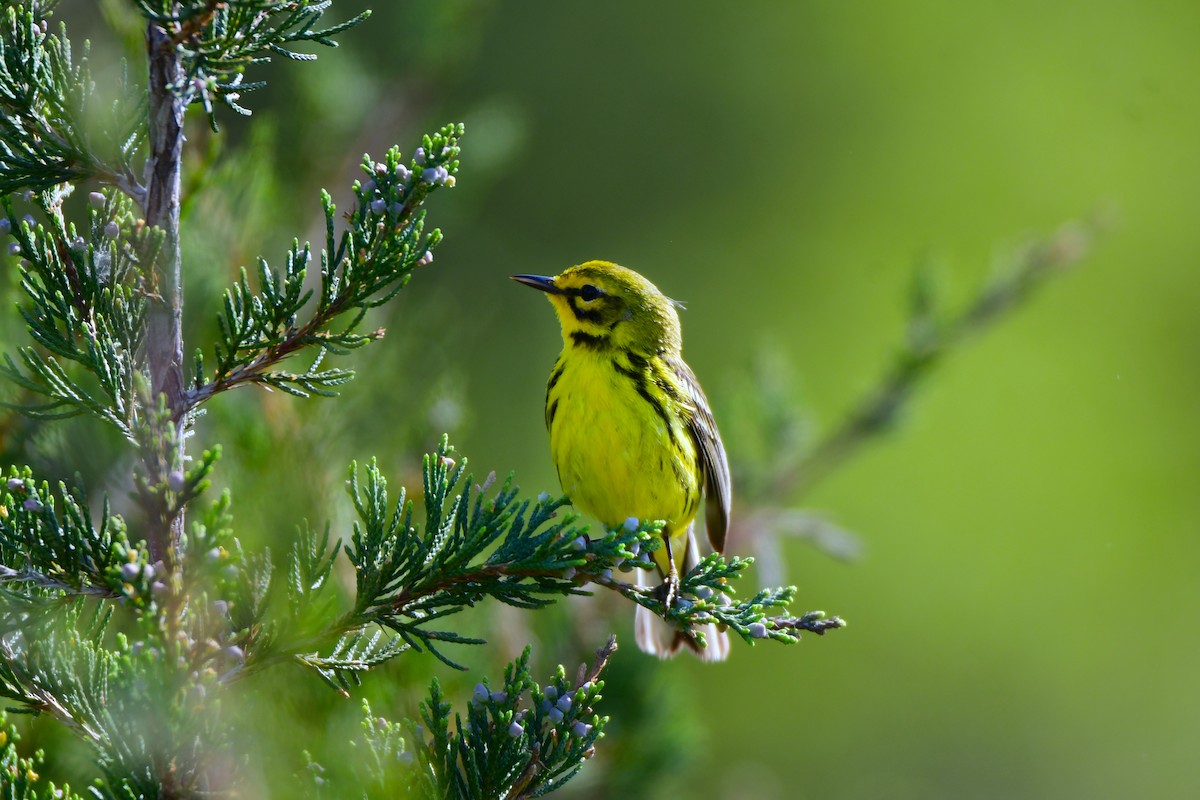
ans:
(586, 314)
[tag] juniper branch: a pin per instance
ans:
(45, 94)
(21, 777)
(372, 260)
(791, 463)
(930, 340)
(521, 741)
(220, 40)
(85, 307)
(475, 546)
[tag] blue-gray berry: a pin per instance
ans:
(430, 175)
(555, 716)
(96, 199)
(757, 630)
(15, 484)
(112, 230)
(564, 703)
(5, 225)
(176, 480)
(515, 729)
(403, 172)
(378, 206)
(32, 504)
(581, 729)
(481, 693)
(130, 571)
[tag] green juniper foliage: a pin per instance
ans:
(134, 630)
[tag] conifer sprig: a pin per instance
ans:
(933, 333)
(48, 543)
(49, 132)
(220, 39)
(475, 544)
(87, 305)
(790, 459)
(365, 266)
(522, 741)
(20, 775)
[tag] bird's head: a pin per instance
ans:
(601, 304)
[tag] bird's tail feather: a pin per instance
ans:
(658, 638)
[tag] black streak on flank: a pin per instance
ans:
(657, 405)
(550, 412)
(554, 376)
(638, 374)
(689, 510)
(588, 340)
(632, 374)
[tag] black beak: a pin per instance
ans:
(543, 282)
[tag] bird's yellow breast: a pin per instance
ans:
(620, 442)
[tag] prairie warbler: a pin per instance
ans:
(631, 432)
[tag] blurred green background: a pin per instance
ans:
(1021, 614)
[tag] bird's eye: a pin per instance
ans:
(589, 293)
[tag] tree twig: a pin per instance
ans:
(929, 342)
(164, 336)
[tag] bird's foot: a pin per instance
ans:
(669, 590)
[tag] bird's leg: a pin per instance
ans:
(670, 585)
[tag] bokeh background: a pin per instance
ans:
(1023, 609)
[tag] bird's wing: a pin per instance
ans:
(703, 428)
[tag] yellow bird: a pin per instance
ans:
(631, 432)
